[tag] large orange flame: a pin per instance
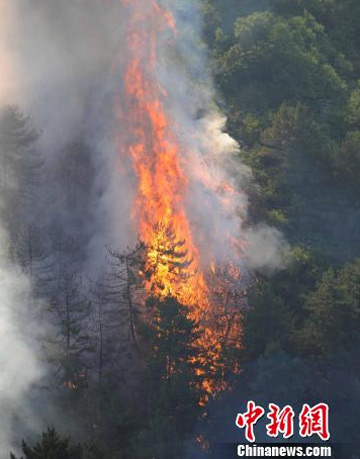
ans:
(155, 153)
(159, 210)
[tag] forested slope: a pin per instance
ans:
(289, 72)
(289, 76)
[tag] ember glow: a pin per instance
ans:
(158, 158)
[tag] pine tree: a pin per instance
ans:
(172, 363)
(116, 297)
(172, 389)
(20, 163)
(71, 348)
(71, 182)
(75, 174)
(51, 446)
(333, 310)
(167, 262)
(30, 250)
(123, 279)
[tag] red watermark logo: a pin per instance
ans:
(312, 421)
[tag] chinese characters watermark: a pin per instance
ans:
(312, 421)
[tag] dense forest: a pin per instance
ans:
(287, 74)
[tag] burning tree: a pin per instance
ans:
(173, 397)
(173, 266)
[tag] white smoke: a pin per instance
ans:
(266, 250)
(9, 82)
(19, 362)
(219, 180)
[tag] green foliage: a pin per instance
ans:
(333, 321)
(284, 59)
(277, 308)
(268, 324)
(353, 107)
(171, 339)
(348, 158)
(173, 398)
(302, 313)
(112, 418)
(290, 85)
(51, 446)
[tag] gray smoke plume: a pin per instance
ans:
(217, 199)
(69, 57)
(19, 353)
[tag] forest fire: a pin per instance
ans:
(179, 227)
(173, 259)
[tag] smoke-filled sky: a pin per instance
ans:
(9, 83)
(63, 64)
(59, 52)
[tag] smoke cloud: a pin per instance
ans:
(9, 84)
(217, 199)
(69, 59)
(20, 365)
